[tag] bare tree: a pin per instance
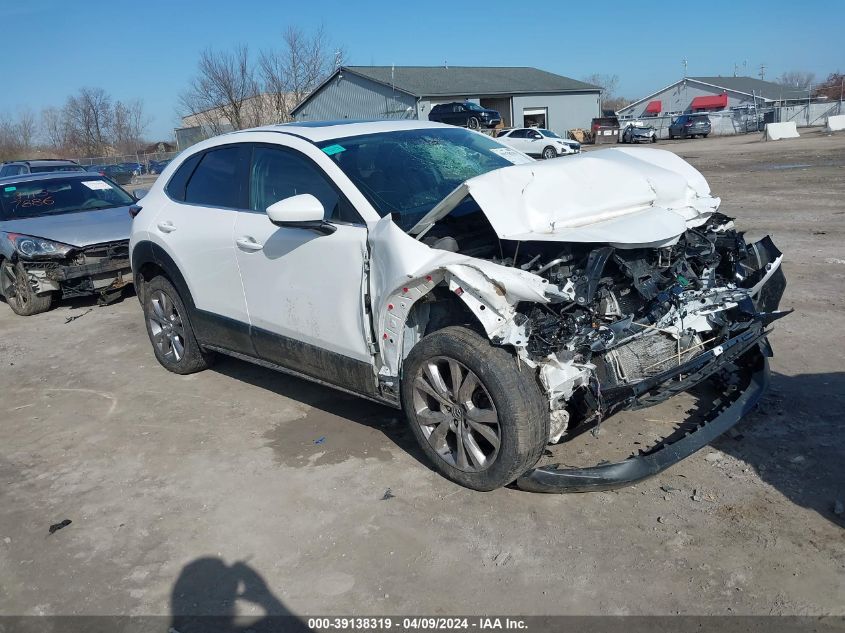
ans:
(218, 96)
(800, 79)
(833, 87)
(27, 128)
(607, 83)
(54, 129)
(17, 135)
(128, 125)
(89, 117)
(292, 73)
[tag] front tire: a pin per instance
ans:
(549, 152)
(170, 331)
(18, 292)
(478, 416)
(472, 123)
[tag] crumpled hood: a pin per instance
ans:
(625, 197)
(80, 228)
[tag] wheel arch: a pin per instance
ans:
(149, 260)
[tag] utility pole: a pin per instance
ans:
(684, 62)
(763, 71)
(736, 69)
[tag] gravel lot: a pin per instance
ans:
(182, 489)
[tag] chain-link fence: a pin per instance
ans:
(143, 163)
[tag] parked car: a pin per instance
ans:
(634, 133)
(538, 142)
(96, 168)
(504, 303)
(157, 166)
(21, 167)
(62, 235)
(466, 114)
(136, 168)
(120, 174)
(690, 126)
(605, 129)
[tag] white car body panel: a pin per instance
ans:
(628, 198)
(298, 283)
(200, 243)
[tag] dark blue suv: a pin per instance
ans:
(466, 114)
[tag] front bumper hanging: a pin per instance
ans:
(734, 403)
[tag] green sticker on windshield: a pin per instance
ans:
(7, 189)
(331, 150)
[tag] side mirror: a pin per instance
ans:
(302, 211)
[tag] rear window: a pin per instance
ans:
(176, 185)
(60, 195)
(217, 181)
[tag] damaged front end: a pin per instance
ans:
(643, 325)
(616, 301)
(100, 269)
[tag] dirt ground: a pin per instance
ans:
(187, 492)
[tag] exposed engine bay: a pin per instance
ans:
(620, 316)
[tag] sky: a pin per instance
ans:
(149, 49)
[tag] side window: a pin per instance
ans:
(176, 185)
(216, 182)
(518, 133)
(5, 171)
(277, 174)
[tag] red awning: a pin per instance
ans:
(710, 103)
(654, 107)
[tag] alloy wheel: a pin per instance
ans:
(456, 414)
(14, 282)
(166, 327)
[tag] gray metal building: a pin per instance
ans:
(523, 96)
(702, 94)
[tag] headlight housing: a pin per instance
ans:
(32, 247)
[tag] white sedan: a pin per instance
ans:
(538, 142)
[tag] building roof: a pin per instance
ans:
(746, 85)
(430, 81)
(749, 85)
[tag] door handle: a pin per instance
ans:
(248, 244)
(166, 227)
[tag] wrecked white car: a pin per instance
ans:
(503, 303)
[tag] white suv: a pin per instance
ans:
(504, 303)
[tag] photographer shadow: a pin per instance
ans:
(205, 599)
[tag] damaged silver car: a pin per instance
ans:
(505, 304)
(62, 235)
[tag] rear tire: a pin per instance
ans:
(671, 136)
(704, 135)
(170, 331)
(487, 430)
(18, 292)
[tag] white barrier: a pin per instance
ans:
(777, 131)
(835, 123)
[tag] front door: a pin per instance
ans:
(305, 291)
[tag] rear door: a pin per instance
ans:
(195, 228)
(305, 291)
(518, 140)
